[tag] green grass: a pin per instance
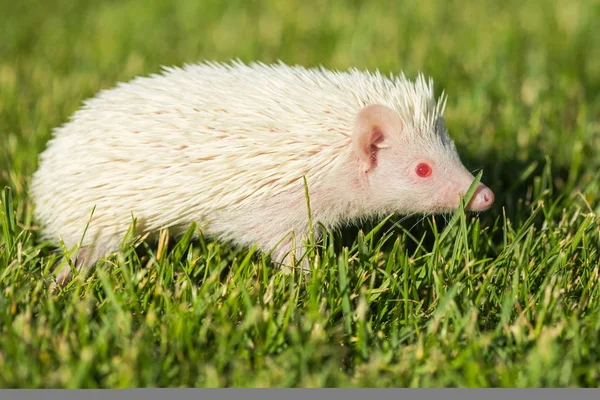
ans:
(506, 298)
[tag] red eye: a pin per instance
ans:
(423, 170)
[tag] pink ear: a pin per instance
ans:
(374, 123)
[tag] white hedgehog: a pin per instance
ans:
(228, 145)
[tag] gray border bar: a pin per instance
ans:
(302, 394)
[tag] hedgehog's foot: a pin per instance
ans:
(63, 277)
(79, 261)
(289, 259)
(301, 265)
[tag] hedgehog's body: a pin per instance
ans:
(227, 146)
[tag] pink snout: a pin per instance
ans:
(482, 199)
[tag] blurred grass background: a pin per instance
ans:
(523, 79)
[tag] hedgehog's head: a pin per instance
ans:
(411, 168)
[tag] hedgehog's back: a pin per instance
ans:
(203, 137)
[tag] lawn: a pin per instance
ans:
(509, 297)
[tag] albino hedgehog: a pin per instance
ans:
(228, 145)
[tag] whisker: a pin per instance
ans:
(397, 224)
(446, 217)
(420, 220)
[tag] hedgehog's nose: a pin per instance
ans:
(482, 199)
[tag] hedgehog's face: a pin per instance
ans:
(408, 172)
(427, 179)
